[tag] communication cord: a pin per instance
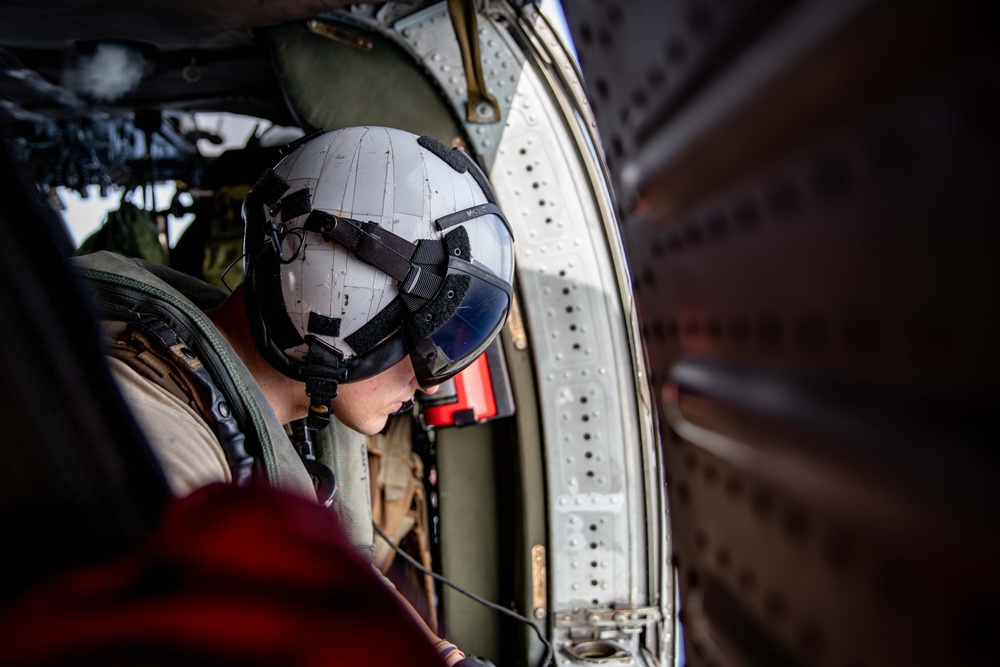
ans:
(546, 661)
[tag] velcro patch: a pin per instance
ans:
(296, 204)
(441, 308)
(321, 325)
(270, 187)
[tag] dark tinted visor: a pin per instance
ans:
(459, 341)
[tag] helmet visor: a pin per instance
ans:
(450, 348)
(490, 239)
(457, 343)
(492, 249)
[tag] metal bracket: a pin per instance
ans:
(538, 582)
(604, 623)
(482, 107)
(340, 34)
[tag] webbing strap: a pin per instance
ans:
(366, 246)
(429, 251)
(396, 243)
(421, 282)
(323, 375)
(378, 328)
(189, 376)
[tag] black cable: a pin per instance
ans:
(258, 251)
(546, 661)
(230, 268)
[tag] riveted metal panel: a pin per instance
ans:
(605, 516)
(431, 37)
(573, 309)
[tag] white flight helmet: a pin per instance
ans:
(366, 244)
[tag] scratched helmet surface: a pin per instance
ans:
(366, 244)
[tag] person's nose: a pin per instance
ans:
(416, 384)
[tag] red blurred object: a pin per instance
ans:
(479, 393)
(234, 576)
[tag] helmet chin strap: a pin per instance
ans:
(323, 479)
(320, 405)
(323, 374)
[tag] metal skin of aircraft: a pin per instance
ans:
(743, 408)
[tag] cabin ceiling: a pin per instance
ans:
(192, 55)
(167, 25)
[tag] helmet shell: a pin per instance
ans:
(374, 175)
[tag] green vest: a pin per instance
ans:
(125, 289)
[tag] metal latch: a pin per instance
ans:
(607, 622)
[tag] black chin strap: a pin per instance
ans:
(324, 481)
(322, 374)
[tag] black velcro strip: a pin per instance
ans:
(296, 204)
(321, 325)
(441, 308)
(461, 162)
(269, 187)
(447, 155)
(456, 243)
(322, 355)
(321, 389)
(377, 329)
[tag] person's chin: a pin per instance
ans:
(377, 425)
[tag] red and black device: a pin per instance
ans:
(478, 394)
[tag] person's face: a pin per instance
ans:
(365, 405)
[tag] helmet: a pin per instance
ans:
(366, 244)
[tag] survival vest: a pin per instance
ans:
(161, 311)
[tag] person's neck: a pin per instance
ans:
(286, 396)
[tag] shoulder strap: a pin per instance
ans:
(155, 351)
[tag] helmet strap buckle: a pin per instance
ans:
(322, 374)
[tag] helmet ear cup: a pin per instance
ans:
(271, 328)
(262, 306)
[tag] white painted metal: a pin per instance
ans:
(608, 537)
